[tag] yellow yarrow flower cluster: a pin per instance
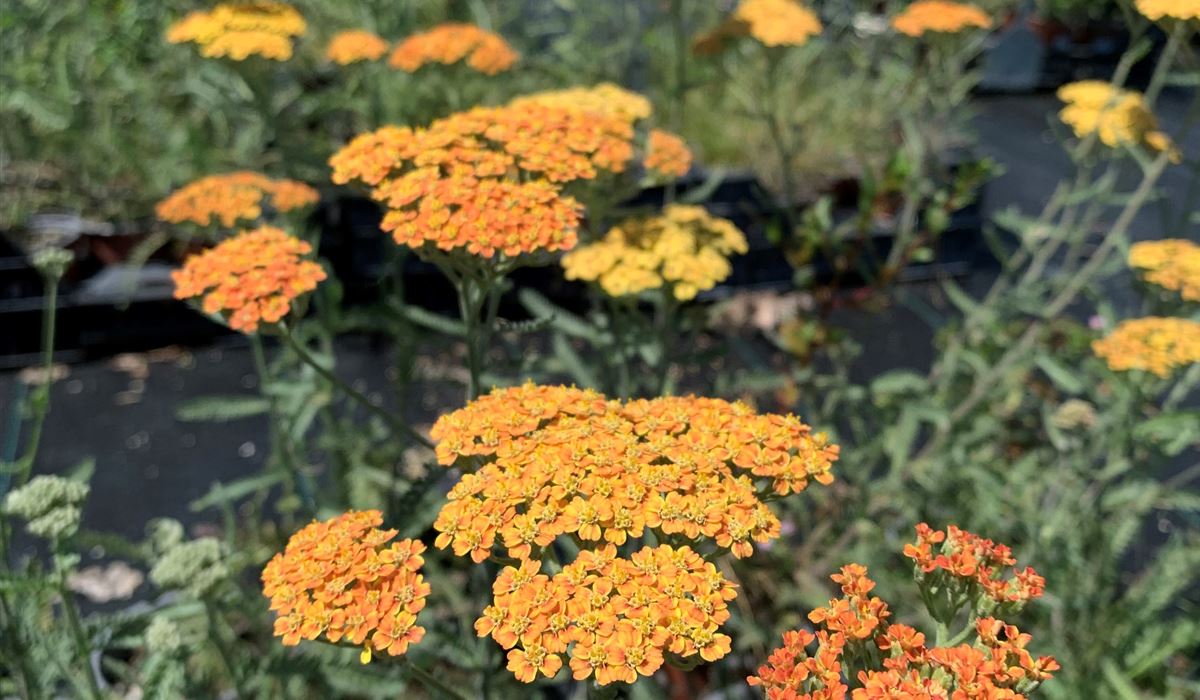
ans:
(1117, 117)
(941, 17)
(605, 98)
(1172, 264)
(354, 46)
(1154, 344)
(684, 248)
(619, 616)
(1169, 9)
(240, 30)
(560, 461)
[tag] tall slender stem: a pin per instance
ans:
(26, 680)
(392, 421)
(433, 682)
(1163, 69)
(279, 438)
(665, 326)
(80, 637)
(1055, 306)
(41, 398)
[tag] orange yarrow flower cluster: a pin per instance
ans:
(251, 278)
(233, 198)
(347, 580)
(1172, 263)
(998, 665)
(618, 616)
(939, 17)
(1154, 344)
(778, 22)
(957, 559)
(770, 22)
(447, 44)
(488, 180)
(354, 46)
(240, 30)
(564, 461)
(667, 155)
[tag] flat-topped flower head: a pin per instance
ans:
(778, 22)
(355, 46)
(939, 17)
(488, 180)
(614, 618)
(240, 30)
(795, 671)
(604, 98)
(549, 462)
(1169, 9)
(1154, 344)
(1172, 263)
(896, 661)
(251, 278)
(233, 198)
(857, 615)
(1117, 117)
(685, 249)
(450, 43)
(348, 581)
(957, 558)
(667, 155)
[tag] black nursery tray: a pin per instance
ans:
(99, 315)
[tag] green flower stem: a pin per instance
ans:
(26, 681)
(279, 439)
(1182, 388)
(80, 637)
(223, 654)
(1054, 307)
(1163, 69)
(665, 324)
(432, 682)
(41, 398)
(478, 302)
(392, 421)
(619, 315)
(962, 634)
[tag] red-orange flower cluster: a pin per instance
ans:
(251, 278)
(621, 615)
(961, 559)
(487, 180)
(233, 198)
(856, 615)
(850, 632)
(666, 154)
(342, 579)
(564, 461)
(484, 51)
(791, 670)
